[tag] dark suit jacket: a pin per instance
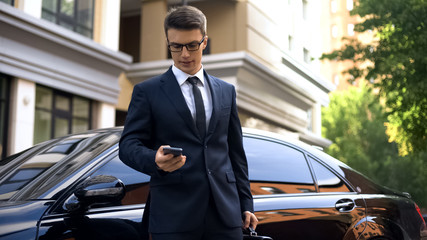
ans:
(216, 166)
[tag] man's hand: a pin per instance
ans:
(169, 163)
(250, 220)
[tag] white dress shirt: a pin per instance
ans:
(187, 91)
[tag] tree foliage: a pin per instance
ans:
(396, 63)
(354, 121)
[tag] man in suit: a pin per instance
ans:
(203, 193)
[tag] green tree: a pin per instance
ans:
(396, 62)
(407, 174)
(354, 121)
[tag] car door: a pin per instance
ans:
(289, 203)
(117, 220)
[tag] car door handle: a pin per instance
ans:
(345, 205)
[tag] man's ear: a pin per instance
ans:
(205, 42)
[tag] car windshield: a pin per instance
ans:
(29, 175)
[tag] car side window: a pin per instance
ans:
(275, 168)
(136, 183)
(327, 181)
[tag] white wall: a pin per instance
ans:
(317, 119)
(105, 115)
(269, 28)
(31, 7)
(270, 25)
(110, 26)
(23, 97)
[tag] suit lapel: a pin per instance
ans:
(171, 88)
(215, 90)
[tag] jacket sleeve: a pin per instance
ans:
(134, 146)
(238, 158)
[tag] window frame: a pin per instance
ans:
(11, 2)
(59, 17)
(307, 156)
(4, 101)
(68, 115)
(346, 182)
(288, 145)
(56, 112)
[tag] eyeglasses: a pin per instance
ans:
(176, 47)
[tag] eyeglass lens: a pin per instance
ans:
(190, 47)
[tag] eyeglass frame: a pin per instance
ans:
(181, 46)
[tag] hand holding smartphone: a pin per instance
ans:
(172, 150)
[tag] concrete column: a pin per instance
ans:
(109, 24)
(31, 7)
(126, 89)
(153, 39)
(105, 115)
(23, 98)
(241, 35)
(317, 119)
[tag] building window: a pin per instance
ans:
(10, 2)
(4, 110)
(75, 15)
(349, 5)
(334, 6)
(307, 56)
(304, 9)
(59, 113)
(334, 31)
(350, 29)
(310, 119)
(336, 79)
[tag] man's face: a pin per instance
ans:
(187, 61)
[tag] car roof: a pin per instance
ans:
(263, 134)
(313, 151)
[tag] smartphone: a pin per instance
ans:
(172, 150)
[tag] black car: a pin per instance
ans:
(76, 187)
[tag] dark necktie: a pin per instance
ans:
(200, 107)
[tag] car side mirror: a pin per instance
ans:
(98, 190)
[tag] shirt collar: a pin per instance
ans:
(181, 76)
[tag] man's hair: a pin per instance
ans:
(185, 18)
